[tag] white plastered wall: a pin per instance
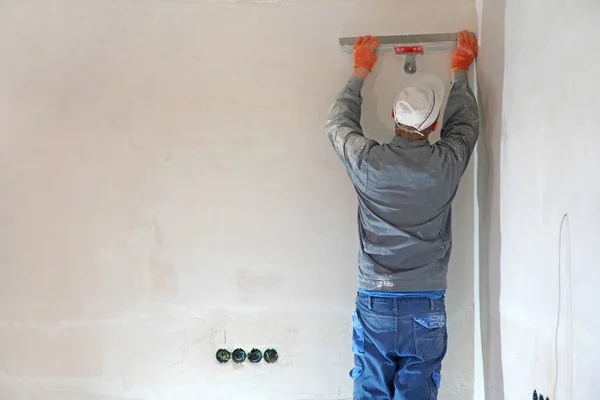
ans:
(167, 190)
(490, 78)
(544, 151)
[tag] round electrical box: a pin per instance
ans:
(271, 355)
(238, 356)
(255, 356)
(223, 356)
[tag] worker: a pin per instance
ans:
(405, 190)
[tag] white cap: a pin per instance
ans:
(419, 106)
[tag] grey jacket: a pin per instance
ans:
(405, 190)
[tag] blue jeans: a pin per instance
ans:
(398, 345)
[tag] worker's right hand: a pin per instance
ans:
(364, 52)
(465, 51)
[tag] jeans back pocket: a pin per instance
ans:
(430, 336)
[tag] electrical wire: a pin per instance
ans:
(566, 228)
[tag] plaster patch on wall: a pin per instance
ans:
(69, 388)
(163, 276)
(146, 254)
(249, 283)
(140, 311)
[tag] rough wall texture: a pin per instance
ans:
(490, 78)
(167, 190)
(548, 167)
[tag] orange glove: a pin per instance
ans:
(465, 52)
(364, 52)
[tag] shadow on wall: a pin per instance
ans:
(490, 79)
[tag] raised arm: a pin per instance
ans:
(343, 127)
(460, 129)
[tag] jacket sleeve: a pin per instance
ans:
(345, 133)
(460, 129)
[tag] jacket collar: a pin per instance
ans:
(401, 142)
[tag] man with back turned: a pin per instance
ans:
(405, 191)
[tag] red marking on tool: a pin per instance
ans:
(399, 50)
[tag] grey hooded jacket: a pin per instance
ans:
(405, 190)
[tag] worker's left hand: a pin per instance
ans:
(364, 52)
(465, 52)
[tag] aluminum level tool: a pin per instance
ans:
(409, 46)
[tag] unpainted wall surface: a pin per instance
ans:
(490, 78)
(550, 163)
(548, 167)
(167, 190)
